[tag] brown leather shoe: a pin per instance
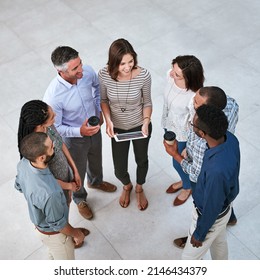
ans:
(76, 246)
(104, 186)
(85, 210)
(232, 222)
(85, 231)
(178, 201)
(173, 188)
(180, 242)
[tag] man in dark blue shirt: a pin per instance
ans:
(216, 188)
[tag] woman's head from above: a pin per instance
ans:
(188, 68)
(35, 116)
(122, 58)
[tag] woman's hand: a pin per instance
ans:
(77, 179)
(145, 126)
(145, 129)
(110, 129)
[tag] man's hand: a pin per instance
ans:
(78, 236)
(86, 130)
(195, 243)
(74, 187)
(172, 150)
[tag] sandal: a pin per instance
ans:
(124, 196)
(180, 242)
(138, 197)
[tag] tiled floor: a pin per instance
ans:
(224, 35)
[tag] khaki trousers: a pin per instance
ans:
(215, 240)
(60, 246)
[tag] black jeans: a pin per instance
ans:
(120, 151)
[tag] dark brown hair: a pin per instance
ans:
(33, 145)
(117, 50)
(192, 71)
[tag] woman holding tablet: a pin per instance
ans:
(127, 107)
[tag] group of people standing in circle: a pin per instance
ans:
(58, 146)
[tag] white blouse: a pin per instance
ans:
(178, 109)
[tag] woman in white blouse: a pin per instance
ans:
(183, 80)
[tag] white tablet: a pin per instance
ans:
(129, 136)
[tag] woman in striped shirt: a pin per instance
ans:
(127, 107)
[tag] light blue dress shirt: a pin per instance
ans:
(74, 103)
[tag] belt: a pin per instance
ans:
(48, 232)
(221, 215)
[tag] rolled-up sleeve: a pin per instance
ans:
(54, 212)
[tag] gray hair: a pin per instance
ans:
(61, 56)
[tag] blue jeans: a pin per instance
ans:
(184, 177)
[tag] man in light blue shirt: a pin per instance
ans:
(75, 97)
(46, 201)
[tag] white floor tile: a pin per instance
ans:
(224, 36)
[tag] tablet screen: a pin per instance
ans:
(129, 136)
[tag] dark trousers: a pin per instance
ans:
(87, 154)
(120, 151)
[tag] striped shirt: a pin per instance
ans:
(126, 99)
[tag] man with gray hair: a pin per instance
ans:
(75, 97)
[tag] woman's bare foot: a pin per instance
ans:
(124, 199)
(142, 202)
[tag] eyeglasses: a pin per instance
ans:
(192, 124)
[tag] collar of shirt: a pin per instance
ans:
(64, 82)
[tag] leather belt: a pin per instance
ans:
(48, 232)
(221, 215)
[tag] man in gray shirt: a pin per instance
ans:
(46, 201)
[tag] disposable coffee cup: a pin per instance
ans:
(93, 121)
(169, 137)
